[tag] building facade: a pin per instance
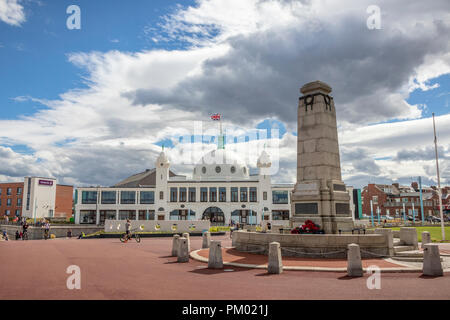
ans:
(36, 197)
(393, 200)
(221, 190)
(11, 199)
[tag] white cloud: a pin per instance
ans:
(12, 12)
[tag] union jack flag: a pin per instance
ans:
(216, 116)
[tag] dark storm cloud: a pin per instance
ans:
(262, 73)
(423, 154)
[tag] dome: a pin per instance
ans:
(162, 159)
(264, 160)
(221, 164)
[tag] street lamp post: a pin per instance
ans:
(439, 181)
(371, 211)
(421, 201)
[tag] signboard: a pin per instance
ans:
(45, 182)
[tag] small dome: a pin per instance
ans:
(162, 159)
(264, 160)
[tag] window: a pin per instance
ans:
(8, 191)
(375, 199)
(192, 194)
(89, 197)
(204, 170)
(161, 195)
(280, 197)
(244, 194)
(108, 197)
(218, 169)
(234, 194)
(147, 197)
(19, 202)
(182, 194)
(128, 197)
(233, 169)
(405, 200)
(253, 194)
(127, 214)
(8, 202)
(222, 194)
(17, 213)
(19, 190)
(88, 216)
(7, 212)
(0, 191)
(0, 202)
(264, 195)
(280, 215)
(212, 194)
(173, 194)
(203, 194)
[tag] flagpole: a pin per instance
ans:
(439, 181)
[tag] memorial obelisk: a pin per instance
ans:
(320, 194)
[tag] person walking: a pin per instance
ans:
(25, 230)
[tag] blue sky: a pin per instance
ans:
(33, 59)
(245, 59)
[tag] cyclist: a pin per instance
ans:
(128, 228)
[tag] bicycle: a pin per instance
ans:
(25, 235)
(125, 237)
(46, 232)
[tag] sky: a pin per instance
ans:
(93, 105)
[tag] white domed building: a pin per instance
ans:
(221, 189)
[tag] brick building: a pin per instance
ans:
(16, 199)
(392, 199)
(11, 199)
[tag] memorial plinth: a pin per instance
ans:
(320, 194)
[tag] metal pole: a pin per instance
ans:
(439, 181)
(404, 213)
(371, 212)
(421, 200)
(378, 215)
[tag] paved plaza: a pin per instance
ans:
(113, 270)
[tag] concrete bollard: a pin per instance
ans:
(215, 260)
(432, 260)
(186, 235)
(175, 245)
(206, 240)
(408, 237)
(183, 252)
(275, 264)
(354, 264)
(426, 238)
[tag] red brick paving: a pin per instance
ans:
(112, 270)
(232, 255)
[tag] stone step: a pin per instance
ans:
(403, 248)
(409, 259)
(397, 242)
(412, 254)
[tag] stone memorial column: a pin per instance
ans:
(320, 194)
